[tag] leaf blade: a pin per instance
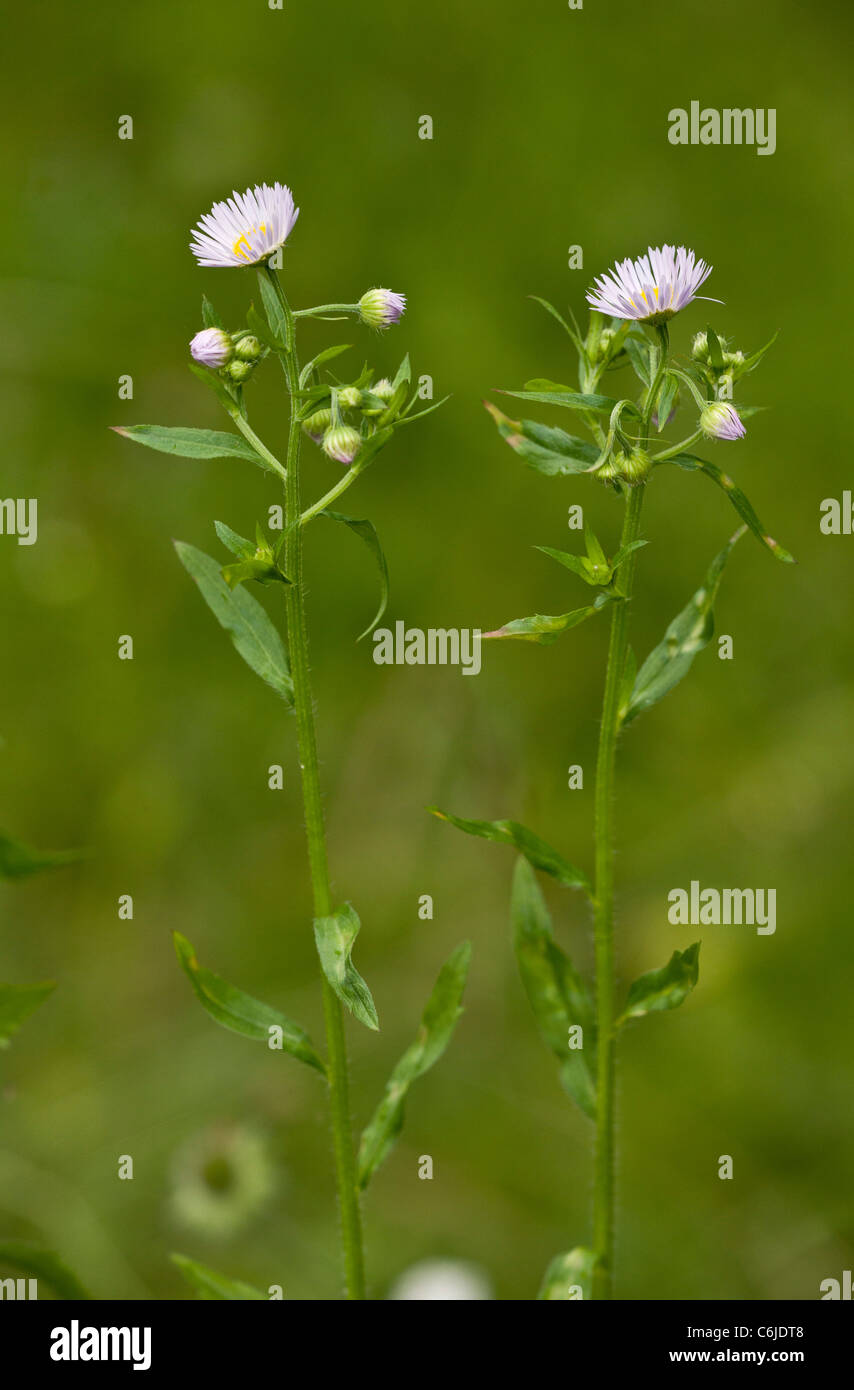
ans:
(690, 463)
(535, 850)
(17, 1002)
(367, 532)
(665, 988)
(335, 936)
(208, 1284)
(189, 443)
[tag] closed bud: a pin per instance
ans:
(317, 424)
(342, 443)
(349, 397)
(632, 467)
(383, 388)
(248, 349)
(700, 347)
(211, 348)
(381, 308)
(720, 420)
(240, 371)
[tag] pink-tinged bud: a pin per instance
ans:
(212, 348)
(720, 420)
(381, 308)
(342, 443)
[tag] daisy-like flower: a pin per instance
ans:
(720, 420)
(381, 308)
(651, 289)
(212, 348)
(245, 229)
(342, 443)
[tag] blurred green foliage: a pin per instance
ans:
(550, 130)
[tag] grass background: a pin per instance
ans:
(550, 129)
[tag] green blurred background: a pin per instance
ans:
(550, 130)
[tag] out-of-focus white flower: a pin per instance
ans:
(448, 1280)
(221, 1179)
(381, 308)
(246, 228)
(651, 289)
(212, 347)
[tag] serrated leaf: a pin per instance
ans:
(335, 936)
(552, 393)
(18, 860)
(367, 532)
(437, 1026)
(46, 1265)
(534, 849)
(692, 464)
(545, 628)
(243, 618)
(573, 1270)
(690, 631)
(17, 1002)
(208, 1284)
(662, 989)
(241, 1013)
(210, 317)
(558, 996)
(191, 443)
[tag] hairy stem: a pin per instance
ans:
(342, 1136)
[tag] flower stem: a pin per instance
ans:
(603, 1190)
(342, 1136)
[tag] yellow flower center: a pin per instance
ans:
(242, 248)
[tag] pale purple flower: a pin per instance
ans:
(651, 289)
(381, 308)
(720, 420)
(245, 229)
(212, 347)
(342, 443)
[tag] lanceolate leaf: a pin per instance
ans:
(44, 1265)
(18, 860)
(569, 1276)
(535, 850)
(549, 450)
(273, 308)
(687, 635)
(240, 1013)
(692, 464)
(367, 532)
(437, 1025)
(243, 618)
(207, 1284)
(191, 443)
(17, 1002)
(552, 393)
(556, 992)
(665, 988)
(238, 545)
(335, 936)
(210, 317)
(545, 628)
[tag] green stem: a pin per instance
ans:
(257, 444)
(323, 309)
(342, 1136)
(672, 450)
(603, 1191)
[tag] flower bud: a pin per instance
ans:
(342, 443)
(631, 468)
(248, 349)
(317, 424)
(381, 308)
(349, 397)
(212, 348)
(383, 388)
(700, 347)
(240, 371)
(720, 420)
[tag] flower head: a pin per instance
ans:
(381, 308)
(247, 228)
(720, 420)
(212, 348)
(651, 289)
(342, 443)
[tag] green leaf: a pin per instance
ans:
(571, 1271)
(18, 860)
(261, 571)
(210, 317)
(437, 1025)
(690, 631)
(716, 356)
(662, 989)
(545, 628)
(578, 564)
(243, 618)
(239, 1012)
(335, 936)
(551, 451)
(666, 399)
(17, 1002)
(326, 356)
(692, 464)
(209, 1285)
(638, 355)
(367, 532)
(42, 1264)
(556, 992)
(571, 332)
(262, 331)
(273, 308)
(191, 444)
(535, 850)
(552, 393)
(238, 545)
(624, 552)
(403, 375)
(756, 357)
